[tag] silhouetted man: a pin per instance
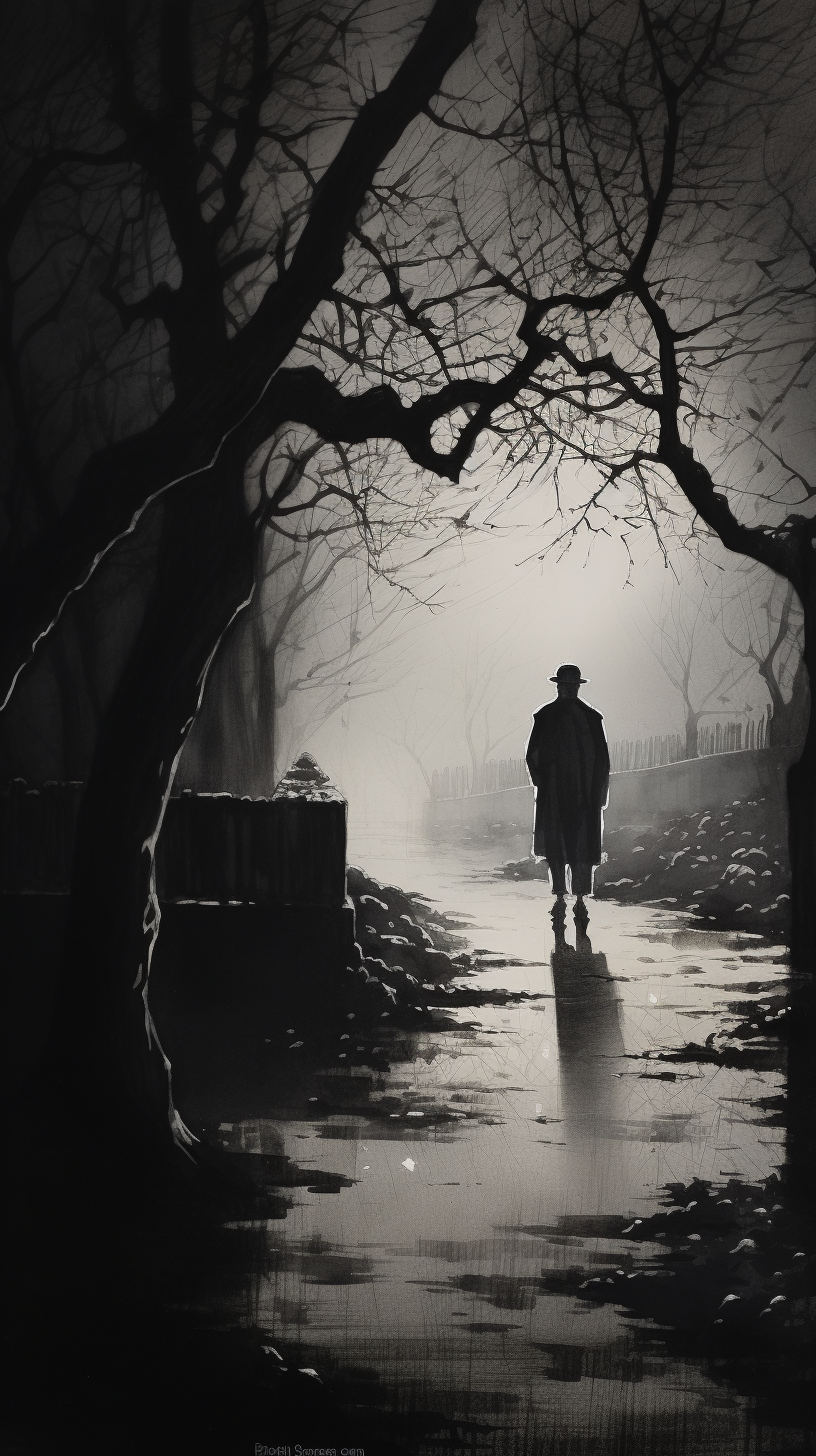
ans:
(568, 759)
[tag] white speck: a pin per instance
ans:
(409, 1164)
(290, 1031)
(545, 1051)
(729, 1299)
(538, 1109)
(415, 1114)
(653, 999)
(295, 1044)
(366, 1167)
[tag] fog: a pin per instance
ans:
(506, 612)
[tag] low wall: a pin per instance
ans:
(278, 851)
(289, 849)
(638, 796)
(696, 783)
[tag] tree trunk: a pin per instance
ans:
(106, 1059)
(229, 748)
(788, 721)
(265, 744)
(119, 482)
(692, 722)
(78, 716)
(775, 735)
(802, 789)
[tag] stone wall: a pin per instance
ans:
(638, 796)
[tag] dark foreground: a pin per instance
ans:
(544, 1206)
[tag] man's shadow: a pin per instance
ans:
(590, 1039)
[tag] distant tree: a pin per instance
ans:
(326, 626)
(685, 640)
(421, 718)
(483, 676)
(762, 622)
(290, 667)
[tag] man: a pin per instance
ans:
(568, 760)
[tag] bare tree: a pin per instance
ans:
(417, 726)
(654, 247)
(580, 260)
(617, 247)
(196, 183)
(483, 677)
(684, 640)
(354, 656)
(762, 622)
(326, 627)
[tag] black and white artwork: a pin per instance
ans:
(407, 770)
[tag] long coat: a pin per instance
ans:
(568, 759)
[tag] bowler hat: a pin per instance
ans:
(568, 673)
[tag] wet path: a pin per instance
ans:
(427, 1271)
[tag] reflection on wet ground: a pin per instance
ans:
(482, 1167)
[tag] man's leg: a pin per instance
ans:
(581, 879)
(558, 876)
(581, 886)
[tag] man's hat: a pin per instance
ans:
(568, 673)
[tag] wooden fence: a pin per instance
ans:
(664, 748)
(625, 754)
(496, 774)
